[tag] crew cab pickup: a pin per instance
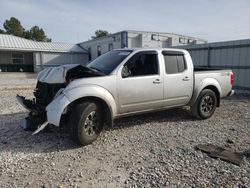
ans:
(121, 83)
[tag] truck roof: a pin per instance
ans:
(148, 49)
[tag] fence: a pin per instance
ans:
(233, 55)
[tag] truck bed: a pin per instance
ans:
(199, 69)
(222, 76)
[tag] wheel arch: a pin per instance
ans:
(107, 109)
(216, 91)
(207, 83)
(57, 110)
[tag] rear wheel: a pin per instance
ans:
(86, 123)
(205, 104)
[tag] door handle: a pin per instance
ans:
(157, 81)
(186, 78)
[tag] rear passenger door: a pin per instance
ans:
(140, 83)
(178, 79)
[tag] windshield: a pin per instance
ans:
(107, 62)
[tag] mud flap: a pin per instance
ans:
(24, 125)
(219, 152)
(29, 126)
(31, 123)
(40, 128)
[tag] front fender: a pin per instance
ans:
(205, 83)
(55, 109)
(57, 106)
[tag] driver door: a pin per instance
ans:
(140, 83)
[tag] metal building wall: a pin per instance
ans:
(46, 59)
(144, 39)
(115, 40)
(6, 61)
(233, 55)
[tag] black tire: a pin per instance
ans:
(205, 104)
(86, 123)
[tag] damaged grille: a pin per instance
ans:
(44, 92)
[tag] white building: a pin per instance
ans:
(22, 55)
(136, 39)
(19, 54)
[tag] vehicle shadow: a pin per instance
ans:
(170, 115)
(15, 140)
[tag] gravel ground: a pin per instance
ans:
(153, 150)
(17, 80)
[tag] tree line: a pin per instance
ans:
(14, 27)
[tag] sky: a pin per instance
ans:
(74, 21)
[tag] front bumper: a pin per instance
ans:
(56, 108)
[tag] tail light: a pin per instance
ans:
(232, 78)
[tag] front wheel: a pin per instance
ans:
(205, 104)
(86, 122)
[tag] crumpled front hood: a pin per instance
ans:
(54, 75)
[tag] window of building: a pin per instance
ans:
(190, 41)
(182, 40)
(110, 46)
(99, 50)
(174, 63)
(141, 64)
(155, 37)
(89, 54)
(17, 58)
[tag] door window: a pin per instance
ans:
(174, 63)
(141, 64)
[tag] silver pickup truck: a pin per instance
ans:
(121, 83)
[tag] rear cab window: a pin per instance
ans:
(174, 62)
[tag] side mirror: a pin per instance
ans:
(125, 72)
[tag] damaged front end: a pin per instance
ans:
(51, 82)
(44, 93)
